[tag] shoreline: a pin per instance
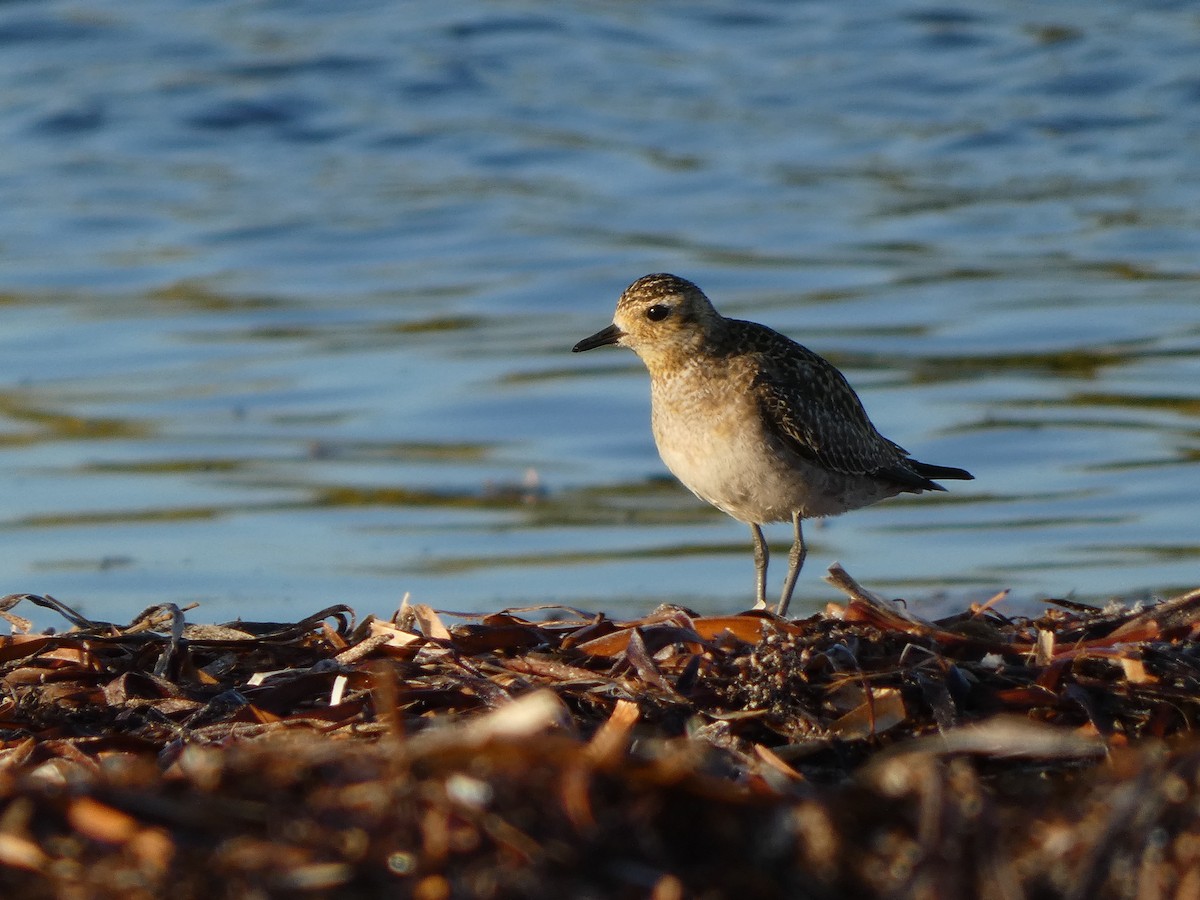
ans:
(863, 751)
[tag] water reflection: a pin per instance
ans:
(288, 292)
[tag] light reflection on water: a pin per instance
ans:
(288, 294)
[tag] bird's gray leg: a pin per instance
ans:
(761, 555)
(795, 562)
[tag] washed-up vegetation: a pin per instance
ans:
(550, 752)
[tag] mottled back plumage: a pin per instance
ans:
(809, 404)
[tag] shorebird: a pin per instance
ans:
(759, 426)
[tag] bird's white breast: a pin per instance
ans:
(711, 435)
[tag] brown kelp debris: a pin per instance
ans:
(550, 752)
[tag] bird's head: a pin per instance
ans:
(662, 318)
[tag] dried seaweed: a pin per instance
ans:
(865, 751)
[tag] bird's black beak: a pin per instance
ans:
(609, 335)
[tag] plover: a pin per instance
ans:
(754, 423)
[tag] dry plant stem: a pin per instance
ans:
(990, 756)
(1178, 611)
(841, 579)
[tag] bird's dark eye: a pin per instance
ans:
(658, 312)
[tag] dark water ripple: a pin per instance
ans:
(287, 290)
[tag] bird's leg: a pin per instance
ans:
(761, 555)
(795, 562)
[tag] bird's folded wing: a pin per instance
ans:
(810, 407)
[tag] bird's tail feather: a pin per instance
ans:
(928, 470)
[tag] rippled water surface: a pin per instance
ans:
(288, 292)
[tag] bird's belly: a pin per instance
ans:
(754, 479)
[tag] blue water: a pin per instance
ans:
(287, 292)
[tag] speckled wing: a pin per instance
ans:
(811, 407)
